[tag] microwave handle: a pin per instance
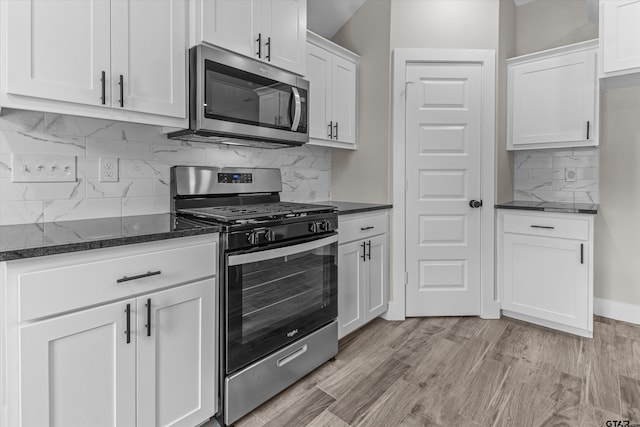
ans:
(297, 104)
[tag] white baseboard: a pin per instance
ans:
(617, 310)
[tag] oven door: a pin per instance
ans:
(276, 296)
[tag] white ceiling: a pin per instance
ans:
(326, 17)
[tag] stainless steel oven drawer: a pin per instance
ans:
(247, 389)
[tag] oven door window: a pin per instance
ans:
(238, 96)
(273, 302)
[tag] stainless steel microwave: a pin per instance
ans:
(242, 101)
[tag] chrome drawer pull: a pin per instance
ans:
(139, 276)
(547, 227)
(367, 228)
(288, 358)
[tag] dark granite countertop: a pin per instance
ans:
(354, 207)
(584, 208)
(50, 238)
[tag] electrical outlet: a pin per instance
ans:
(42, 168)
(108, 169)
(571, 174)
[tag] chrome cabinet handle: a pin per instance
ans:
(139, 276)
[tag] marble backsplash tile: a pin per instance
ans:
(145, 157)
(541, 175)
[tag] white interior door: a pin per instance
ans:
(443, 155)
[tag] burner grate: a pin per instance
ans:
(259, 211)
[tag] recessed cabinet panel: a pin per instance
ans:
(288, 31)
(230, 24)
(378, 270)
(620, 36)
(442, 139)
(319, 73)
(443, 275)
(442, 229)
(350, 288)
(443, 93)
(344, 100)
(552, 99)
(58, 50)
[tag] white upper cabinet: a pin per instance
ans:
(619, 37)
(273, 31)
(119, 59)
(332, 75)
(149, 52)
(58, 50)
(553, 98)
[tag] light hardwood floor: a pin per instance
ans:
(464, 371)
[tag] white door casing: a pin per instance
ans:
(443, 174)
(488, 306)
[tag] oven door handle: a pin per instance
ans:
(280, 252)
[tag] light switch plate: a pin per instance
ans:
(42, 168)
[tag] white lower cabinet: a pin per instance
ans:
(546, 271)
(363, 270)
(144, 360)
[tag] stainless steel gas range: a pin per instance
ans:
(278, 270)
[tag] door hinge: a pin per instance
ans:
(406, 278)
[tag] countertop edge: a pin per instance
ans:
(549, 209)
(17, 254)
(360, 210)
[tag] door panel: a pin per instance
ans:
(343, 81)
(351, 277)
(544, 278)
(78, 370)
(59, 49)
(377, 282)
(285, 21)
(621, 34)
(176, 363)
(319, 76)
(149, 44)
(443, 139)
(231, 24)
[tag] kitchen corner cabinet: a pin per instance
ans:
(552, 98)
(273, 31)
(546, 269)
(332, 74)
(120, 59)
(619, 37)
(84, 347)
(363, 269)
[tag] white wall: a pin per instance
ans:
(363, 175)
(145, 158)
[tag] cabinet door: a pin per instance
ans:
(148, 40)
(285, 22)
(343, 81)
(319, 76)
(377, 282)
(58, 50)
(351, 276)
(231, 24)
(546, 278)
(620, 35)
(176, 357)
(553, 100)
(79, 370)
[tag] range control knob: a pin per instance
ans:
(313, 227)
(269, 235)
(253, 238)
(327, 225)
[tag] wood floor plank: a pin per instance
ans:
(419, 341)
(327, 419)
(460, 365)
(391, 407)
(627, 330)
(592, 416)
(481, 388)
(249, 420)
(603, 387)
(630, 397)
(627, 352)
(440, 403)
(371, 335)
(493, 329)
(306, 409)
(363, 394)
(431, 360)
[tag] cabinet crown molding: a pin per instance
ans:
(557, 51)
(332, 47)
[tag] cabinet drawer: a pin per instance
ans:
(354, 227)
(549, 226)
(72, 281)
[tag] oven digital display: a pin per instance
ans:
(235, 178)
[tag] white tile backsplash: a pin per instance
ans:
(145, 158)
(539, 175)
